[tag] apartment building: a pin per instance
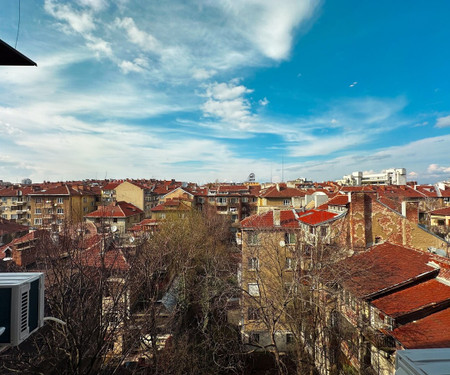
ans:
(50, 207)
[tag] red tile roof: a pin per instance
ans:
(111, 259)
(338, 200)
(384, 267)
(15, 192)
(441, 211)
(111, 185)
(116, 209)
(172, 204)
(26, 238)
(7, 226)
(265, 220)
(282, 192)
(315, 217)
(430, 332)
(232, 189)
(445, 192)
(144, 225)
(427, 190)
(414, 298)
(393, 205)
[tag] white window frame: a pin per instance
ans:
(253, 263)
(253, 289)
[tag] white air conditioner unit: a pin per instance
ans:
(21, 306)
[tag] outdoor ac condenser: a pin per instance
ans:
(21, 306)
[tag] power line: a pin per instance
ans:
(18, 28)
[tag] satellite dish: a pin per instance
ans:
(282, 243)
(132, 239)
(114, 228)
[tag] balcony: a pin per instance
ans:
(380, 340)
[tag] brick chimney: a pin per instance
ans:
(360, 220)
(411, 211)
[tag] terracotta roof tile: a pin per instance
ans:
(282, 192)
(338, 200)
(413, 298)
(441, 211)
(116, 209)
(315, 217)
(432, 331)
(384, 267)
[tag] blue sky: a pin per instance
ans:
(213, 90)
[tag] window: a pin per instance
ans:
(38, 200)
(85, 209)
(14, 199)
(211, 199)
(115, 220)
(60, 211)
(253, 313)
(37, 221)
(245, 199)
(233, 200)
(50, 211)
(323, 231)
(37, 211)
(254, 338)
(4, 216)
(84, 199)
(4, 199)
(253, 238)
(289, 263)
(253, 289)
(290, 238)
(253, 263)
(60, 200)
(221, 200)
(289, 338)
(286, 202)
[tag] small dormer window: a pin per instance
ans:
(8, 254)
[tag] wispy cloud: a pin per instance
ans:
(443, 122)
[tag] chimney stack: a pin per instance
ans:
(276, 218)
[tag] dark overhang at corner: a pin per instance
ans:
(10, 56)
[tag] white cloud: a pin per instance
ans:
(81, 22)
(443, 122)
(100, 46)
(226, 102)
(96, 5)
(436, 169)
(325, 146)
(202, 74)
(226, 91)
(143, 39)
(129, 66)
(263, 102)
(269, 26)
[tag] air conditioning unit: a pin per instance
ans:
(21, 306)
